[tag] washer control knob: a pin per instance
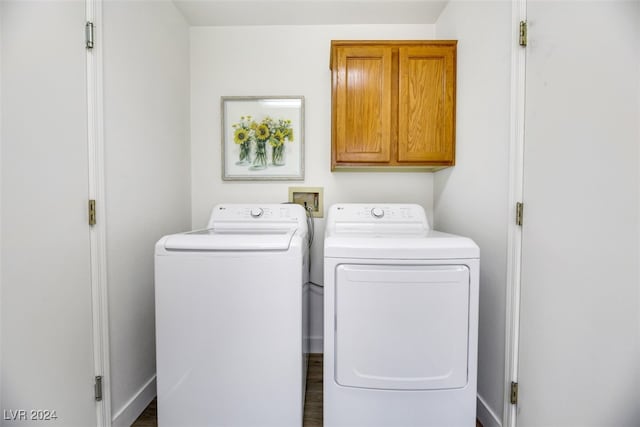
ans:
(377, 212)
(256, 212)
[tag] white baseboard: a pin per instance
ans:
(134, 407)
(487, 417)
(315, 344)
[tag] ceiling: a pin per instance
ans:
(309, 12)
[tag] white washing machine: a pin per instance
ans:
(231, 316)
(400, 320)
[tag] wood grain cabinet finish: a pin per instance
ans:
(393, 104)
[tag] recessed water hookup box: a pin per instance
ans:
(309, 197)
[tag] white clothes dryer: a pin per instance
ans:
(400, 320)
(231, 319)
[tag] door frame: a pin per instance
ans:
(516, 191)
(97, 233)
(1, 145)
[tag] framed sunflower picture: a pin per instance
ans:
(262, 138)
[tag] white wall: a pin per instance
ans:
(146, 85)
(471, 198)
(285, 60)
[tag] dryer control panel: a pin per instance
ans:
(351, 217)
(372, 212)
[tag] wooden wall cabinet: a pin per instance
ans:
(393, 104)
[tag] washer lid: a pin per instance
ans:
(239, 239)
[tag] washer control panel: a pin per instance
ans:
(258, 214)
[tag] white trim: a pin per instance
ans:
(315, 344)
(136, 405)
(516, 193)
(1, 150)
(97, 236)
(487, 417)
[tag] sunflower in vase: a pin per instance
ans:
(262, 135)
(281, 132)
(244, 135)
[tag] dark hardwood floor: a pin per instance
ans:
(312, 404)
(313, 397)
(149, 417)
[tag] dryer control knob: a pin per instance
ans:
(377, 212)
(256, 212)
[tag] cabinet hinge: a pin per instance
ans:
(519, 213)
(98, 388)
(523, 33)
(514, 393)
(92, 212)
(88, 35)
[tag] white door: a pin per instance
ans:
(580, 326)
(47, 350)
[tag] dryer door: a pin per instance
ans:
(402, 327)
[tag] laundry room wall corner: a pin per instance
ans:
(471, 198)
(147, 175)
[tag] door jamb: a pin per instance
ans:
(516, 192)
(97, 234)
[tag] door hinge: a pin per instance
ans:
(523, 33)
(92, 212)
(519, 212)
(88, 35)
(514, 393)
(98, 388)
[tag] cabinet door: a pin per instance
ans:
(426, 109)
(362, 104)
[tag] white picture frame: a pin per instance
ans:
(262, 138)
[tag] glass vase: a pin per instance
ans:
(278, 155)
(260, 158)
(245, 153)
